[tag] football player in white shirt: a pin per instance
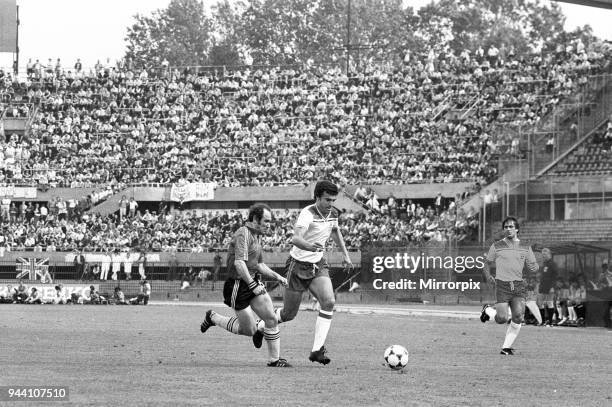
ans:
(307, 268)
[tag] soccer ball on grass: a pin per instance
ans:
(396, 357)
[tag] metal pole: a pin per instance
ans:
(348, 37)
(16, 62)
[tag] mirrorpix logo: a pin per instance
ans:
(411, 263)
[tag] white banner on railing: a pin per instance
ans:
(196, 191)
(48, 293)
(12, 191)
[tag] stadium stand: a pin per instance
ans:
(286, 126)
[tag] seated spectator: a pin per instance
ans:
(94, 297)
(60, 297)
(6, 294)
(119, 297)
(605, 277)
(144, 295)
(20, 294)
(34, 298)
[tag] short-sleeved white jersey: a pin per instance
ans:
(318, 230)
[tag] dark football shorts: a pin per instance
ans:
(236, 294)
(507, 290)
(301, 273)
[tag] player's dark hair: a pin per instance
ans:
(325, 186)
(511, 219)
(256, 212)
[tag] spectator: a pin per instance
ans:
(80, 265)
(20, 294)
(59, 297)
(143, 296)
(34, 297)
(546, 286)
(119, 297)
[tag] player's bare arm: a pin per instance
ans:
(268, 272)
(339, 240)
(299, 241)
(489, 271)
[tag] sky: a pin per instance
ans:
(96, 29)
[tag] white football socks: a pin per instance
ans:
(321, 329)
(511, 334)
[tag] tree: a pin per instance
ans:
(296, 31)
(517, 24)
(181, 34)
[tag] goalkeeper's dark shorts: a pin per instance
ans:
(236, 294)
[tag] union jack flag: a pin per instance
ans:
(31, 267)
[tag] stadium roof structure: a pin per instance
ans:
(590, 3)
(576, 248)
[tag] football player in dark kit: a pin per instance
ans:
(245, 293)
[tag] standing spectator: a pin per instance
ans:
(495, 196)
(22, 211)
(44, 212)
(123, 205)
(105, 264)
(5, 206)
(127, 263)
(487, 197)
(173, 266)
(13, 212)
(546, 290)
(132, 206)
(142, 264)
(217, 262)
(116, 261)
(439, 203)
(79, 264)
(71, 208)
(78, 66)
(29, 212)
(62, 210)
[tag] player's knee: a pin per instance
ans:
(501, 319)
(271, 322)
(288, 314)
(517, 319)
(327, 304)
(248, 330)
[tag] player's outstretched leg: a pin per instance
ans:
(208, 322)
(517, 305)
(230, 324)
(258, 336)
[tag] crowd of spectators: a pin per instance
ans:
(22, 294)
(388, 124)
(66, 228)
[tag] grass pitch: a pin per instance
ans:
(156, 355)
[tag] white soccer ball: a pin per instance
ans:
(396, 357)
